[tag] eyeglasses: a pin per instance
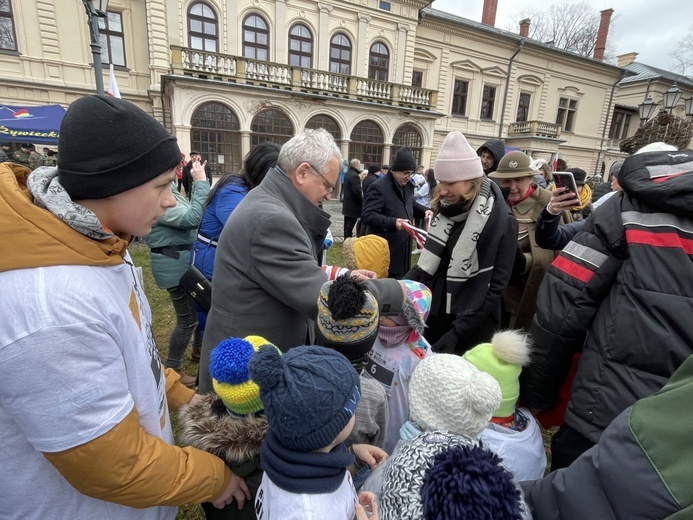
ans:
(328, 185)
(407, 173)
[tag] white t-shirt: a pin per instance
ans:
(393, 368)
(273, 503)
(522, 452)
(77, 353)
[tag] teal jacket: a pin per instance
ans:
(177, 227)
(641, 467)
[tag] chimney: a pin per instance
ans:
(488, 15)
(600, 46)
(524, 27)
(626, 59)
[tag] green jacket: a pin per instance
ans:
(641, 467)
(177, 227)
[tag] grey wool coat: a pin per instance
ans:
(267, 276)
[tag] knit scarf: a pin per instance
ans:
(297, 472)
(464, 261)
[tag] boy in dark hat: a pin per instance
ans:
(310, 396)
(387, 204)
(84, 400)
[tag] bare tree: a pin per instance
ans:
(572, 27)
(683, 55)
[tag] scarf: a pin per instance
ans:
(50, 195)
(530, 190)
(297, 472)
(393, 336)
(464, 262)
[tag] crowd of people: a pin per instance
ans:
(379, 389)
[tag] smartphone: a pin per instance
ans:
(565, 180)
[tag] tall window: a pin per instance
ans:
(406, 135)
(112, 39)
(255, 38)
(523, 107)
(8, 39)
(202, 28)
(300, 47)
(459, 98)
(417, 78)
(367, 143)
(271, 125)
(620, 125)
(216, 135)
(566, 114)
(488, 100)
(340, 54)
(378, 62)
(326, 122)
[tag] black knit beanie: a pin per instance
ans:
(108, 145)
(404, 161)
(578, 174)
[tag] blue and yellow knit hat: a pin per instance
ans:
(230, 376)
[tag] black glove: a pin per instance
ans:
(447, 343)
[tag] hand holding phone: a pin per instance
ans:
(565, 180)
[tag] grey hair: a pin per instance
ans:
(355, 163)
(316, 147)
(657, 147)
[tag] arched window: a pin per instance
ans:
(300, 47)
(216, 135)
(378, 62)
(340, 54)
(271, 125)
(202, 28)
(367, 143)
(326, 122)
(255, 38)
(406, 135)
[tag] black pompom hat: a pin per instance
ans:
(108, 145)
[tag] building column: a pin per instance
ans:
(402, 32)
(387, 151)
(184, 135)
(323, 45)
(234, 28)
(281, 33)
(362, 47)
(344, 147)
(245, 142)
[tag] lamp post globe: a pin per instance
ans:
(672, 96)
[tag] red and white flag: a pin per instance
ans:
(555, 163)
(113, 85)
(419, 235)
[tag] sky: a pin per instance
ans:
(651, 28)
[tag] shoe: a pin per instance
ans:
(185, 379)
(196, 354)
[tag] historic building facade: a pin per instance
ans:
(223, 75)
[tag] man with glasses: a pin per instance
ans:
(267, 273)
(388, 202)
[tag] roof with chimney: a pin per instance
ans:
(429, 11)
(646, 72)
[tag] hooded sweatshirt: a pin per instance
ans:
(497, 149)
(82, 376)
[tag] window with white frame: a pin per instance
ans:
(523, 106)
(567, 108)
(203, 34)
(300, 47)
(112, 39)
(488, 101)
(459, 98)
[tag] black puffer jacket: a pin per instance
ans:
(625, 284)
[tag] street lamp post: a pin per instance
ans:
(96, 9)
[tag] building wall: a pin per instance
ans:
(54, 65)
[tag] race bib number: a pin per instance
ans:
(381, 369)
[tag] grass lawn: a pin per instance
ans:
(163, 319)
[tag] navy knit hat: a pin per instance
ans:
(468, 482)
(310, 394)
(108, 145)
(404, 160)
(578, 174)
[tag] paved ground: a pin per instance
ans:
(334, 208)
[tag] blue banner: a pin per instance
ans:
(36, 125)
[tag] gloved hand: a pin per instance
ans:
(447, 343)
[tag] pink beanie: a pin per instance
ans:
(457, 161)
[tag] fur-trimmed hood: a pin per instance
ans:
(206, 425)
